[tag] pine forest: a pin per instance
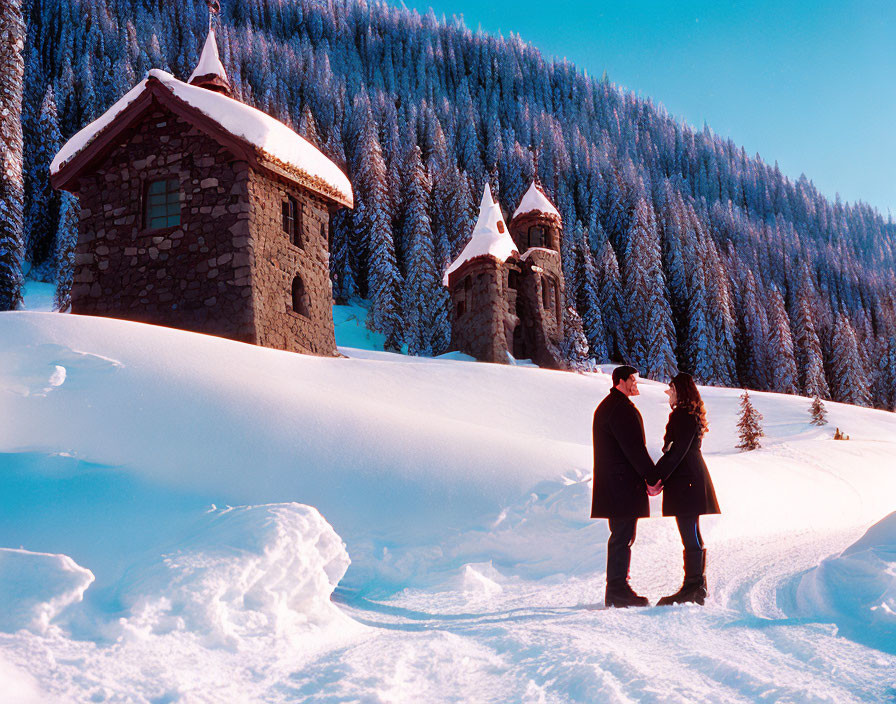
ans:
(680, 251)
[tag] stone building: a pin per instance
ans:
(507, 289)
(202, 213)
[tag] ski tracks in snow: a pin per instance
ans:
(740, 647)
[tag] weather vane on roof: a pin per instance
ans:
(535, 150)
(214, 7)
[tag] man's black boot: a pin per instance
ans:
(619, 594)
(693, 589)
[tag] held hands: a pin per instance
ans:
(653, 490)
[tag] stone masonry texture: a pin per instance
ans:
(226, 270)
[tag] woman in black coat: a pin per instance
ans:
(687, 489)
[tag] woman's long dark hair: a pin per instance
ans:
(688, 399)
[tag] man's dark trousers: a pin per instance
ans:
(619, 550)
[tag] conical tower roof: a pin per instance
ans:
(209, 72)
(490, 236)
(535, 201)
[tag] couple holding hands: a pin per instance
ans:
(624, 476)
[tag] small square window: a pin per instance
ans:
(162, 206)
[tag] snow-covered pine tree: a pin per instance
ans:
(424, 298)
(886, 375)
(43, 209)
(817, 412)
(12, 192)
(781, 361)
(849, 378)
(450, 209)
(374, 221)
(308, 127)
(574, 346)
(469, 146)
(647, 316)
(342, 256)
(752, 336)
(610, 286)
(675, 268)
(66, 241)
(749, 425)
(587, 300)
(615, 214)
(806, 343)
(698, 343)
(721, 319)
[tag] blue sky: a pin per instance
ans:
(809, 84)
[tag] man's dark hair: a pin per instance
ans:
(622, 373)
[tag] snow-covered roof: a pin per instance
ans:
(535, 201)
(209, 61)
(490, 236)
(270, 138)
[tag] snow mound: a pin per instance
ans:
(857, 589)
(37, 370)
(18, 686)
(36, 587)
(243, 572)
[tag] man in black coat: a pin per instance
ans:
(622, 471)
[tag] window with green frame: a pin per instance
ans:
(162, 203)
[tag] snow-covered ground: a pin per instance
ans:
(189, 519)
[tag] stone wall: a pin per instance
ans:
(196, 276)
(278, 261)
(542, 325)
(480, 330)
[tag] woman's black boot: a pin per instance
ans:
(693, 589)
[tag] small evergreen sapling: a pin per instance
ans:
(749, 425)
(818, 412)
(574, 347)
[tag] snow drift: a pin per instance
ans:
(37, 587)
(241, 572)
(857, 589)
(461, 491)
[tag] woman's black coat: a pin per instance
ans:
(687, 488)
(621, 461)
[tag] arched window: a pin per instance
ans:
(536, 236)
(465, 300)
(300, 297)
(162, 204)
(548, 294)
(292, 220)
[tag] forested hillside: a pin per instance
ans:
(680, 250)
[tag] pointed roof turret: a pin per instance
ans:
(535, 201)
(209, 72)
(490, 236)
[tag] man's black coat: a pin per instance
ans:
(621, 461)
(687, 488)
